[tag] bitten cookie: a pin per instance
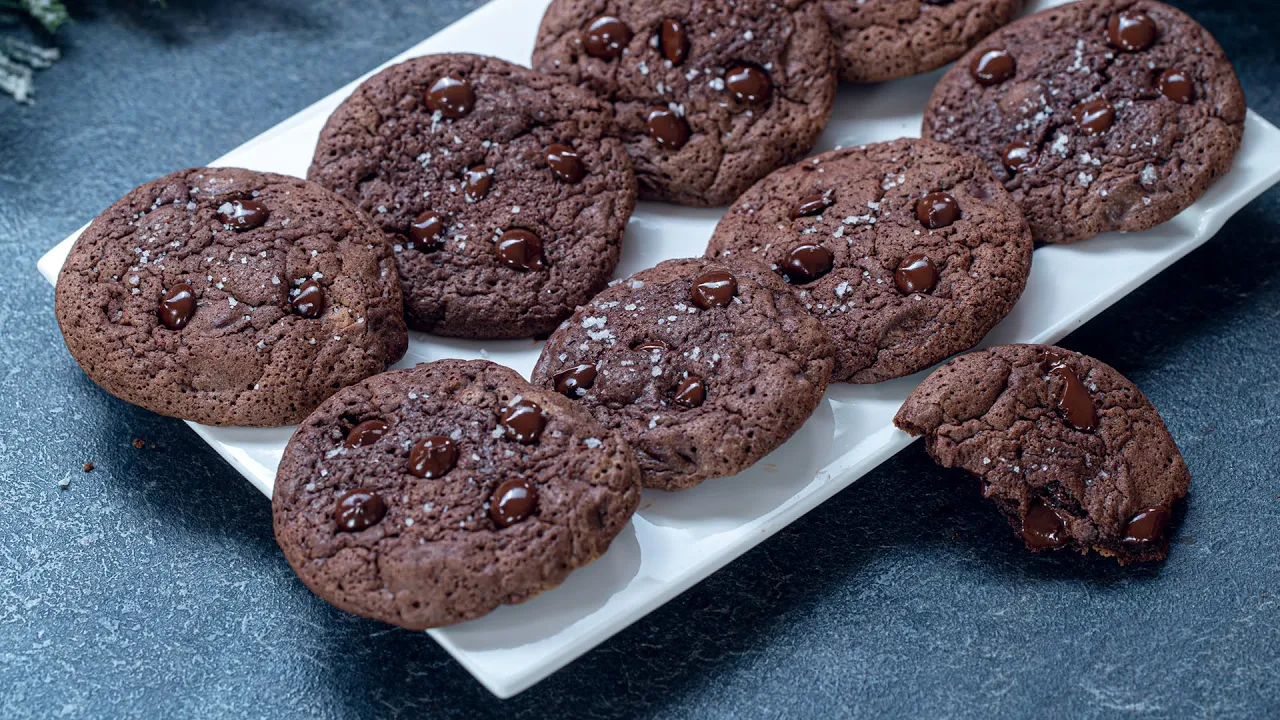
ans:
(507, 190)
(1097, 115)
(1071, 452)
(907, 251)
(879, 40)
(430, 496)
(710, 95)
(703, 366)
(231, 297)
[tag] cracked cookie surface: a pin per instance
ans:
(1069, 450)
(1098, 115)
(879, 40)
(230, 297)
(507, 190)
(742, 87)
(859, 207)
(429, 496)
(703, 366)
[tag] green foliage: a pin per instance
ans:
(49, 13)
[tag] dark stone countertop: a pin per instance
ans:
(151, 586)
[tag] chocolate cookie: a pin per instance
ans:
(710, 95)
(1097, 115)
(430, 496)
(703, 366)
(507, 190)
(231, 297)
(908, 251)
(879, 40)
(1070, 451)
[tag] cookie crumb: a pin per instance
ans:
(87, 467)
(139, 443)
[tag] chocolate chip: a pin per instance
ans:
(1017, 155)
(714, 288)
(993, 67)
(451, 97)
(1131, 30)
(427, 231)
(513, 501)
(691, 393)
(309, 300)
(811, 205)
(1147, 526)
(366, 433)
(605, 37)
(520, 249)
(1043, 528)
(575, 381)
(432, 457)
(937, 210)
(1095, 116)
(243, 214)
(565, 163)
(178, 306)
(915, 274)
(1075, 403)
(673, 40)
(523, 422)
(749, 84)
(478, 181)
(1175, 85)
(666, 127)
(359, 509)
(807, 263)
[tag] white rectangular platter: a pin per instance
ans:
(678, 539)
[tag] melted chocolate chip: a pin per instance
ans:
(1131, 30)
(650, 346)
(366, 433)
(666, 127)
(1043, 527)
(1017, 155)
(575, 381)
(749, 84)
(993, 67)
(359, 509)
(520, 249)
(1176, 85)
(1095, 116)
(691, 393)
(937, 210)
(1147, 526)
(1075, 403)
(807, 263)
(605, 37)
(714, 288)
(915, 274)
(673, 40)
(811, 205)
(427, 231)
(478, 181)
(451, 97)
(432, 457)
(565, 163)
(513, 501)
(178, 306)
(243, 214)
(523, 422)
(309, 301)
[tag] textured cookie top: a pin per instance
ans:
(429, 496)
(1069, 450)
(230, 297)
(506, 189)
(879, 40)
(703, 366)
(907, 251)
(1098, 115)
(710, 95)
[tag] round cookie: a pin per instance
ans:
(1098, 115)
(907, 251)
(507, 190)
(879, 40)
(711, 96)
(1069, 450)
(429, 496)
(230, 297)
(703, 366)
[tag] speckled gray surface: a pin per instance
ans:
(152, 587)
